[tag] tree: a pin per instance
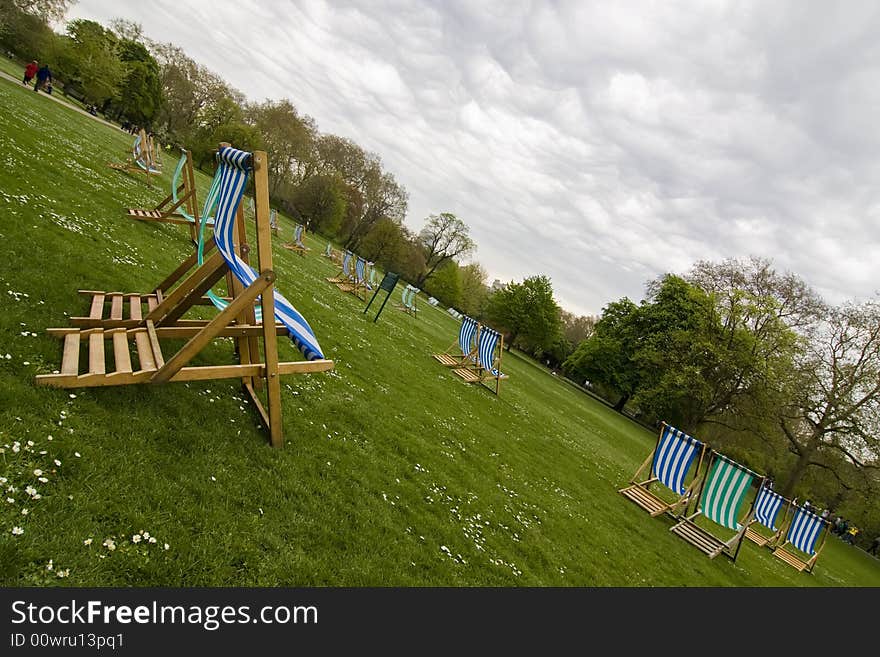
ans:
(446, 284)
(527, 311)
(320, 201)
(290, 138)
(382, 198)
(474, 293)
(45, 10)
(444, 237)
(94, 64)
(606, 357)
(140, 93)
(835, 394)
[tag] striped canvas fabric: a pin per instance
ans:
(466, 334)
(298, 235)
(346, 264)
(724, 491)
(233, 168)
(360, 270)
(767, 506)
(673, 457)
(804, 530)
(486, 349)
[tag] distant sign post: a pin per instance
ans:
(388, 284)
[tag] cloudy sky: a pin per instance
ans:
(600, 143)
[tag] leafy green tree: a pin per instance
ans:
(94, 65)
(606, 357)
(474, 292)
(290, 138)
(140, 93)
(444, 238)
(528, 312)
(445, 285)
(321, 202)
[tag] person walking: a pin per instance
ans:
(29, 72)
(44, 77)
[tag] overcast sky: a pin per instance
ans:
(599, 143)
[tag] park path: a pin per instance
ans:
(62, 101)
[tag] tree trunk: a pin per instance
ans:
(799, 469)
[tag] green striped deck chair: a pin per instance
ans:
(666, 490)
(408, 300)
(723, 500)
(799, 548)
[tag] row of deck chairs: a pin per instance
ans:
(145, 156)
(358, 279)
(722, 503)
(138, 351)
(473, 355)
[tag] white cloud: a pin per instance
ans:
(599, 143)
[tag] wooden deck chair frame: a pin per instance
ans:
(142, 160)
(720, 498)
(801, 535)
(675, 452)
(181, 205)
(488, 368)
(768, 504)
(256, 344)
(462, 352)
(298, 245)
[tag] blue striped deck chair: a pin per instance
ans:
(180, 206)
(799, 548)
(298, 245)
(137, 354)
(357, 285)
(768, 505)
(488, 366)
(670, 462)
(273, 221)
(723, 500)
(345, 275)
(466, 344)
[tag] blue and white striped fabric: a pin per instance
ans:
(138, 149)
(673, 457)
(346, 264)
(767, 507)
(486, 349)
(298, 235)
(360, 271)
(233, 168)
(804, 530)
(466, 334)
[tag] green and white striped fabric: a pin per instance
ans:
(724, 491)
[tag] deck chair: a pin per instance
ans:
(799, 548)
(670, 462)
(143, 157)
(768, 504)
(181, 205)
(345, 275)
(466, 354)
(487, 367)
(256, 344)
(722, 499)
(273, 221)
(328, 252)
(297, 244)
(357, 284)
(408, 300)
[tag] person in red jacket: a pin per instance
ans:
(29, 72)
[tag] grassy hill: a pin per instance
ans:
(395, 472)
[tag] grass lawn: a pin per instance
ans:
(395, 472)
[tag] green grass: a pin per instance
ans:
(395, 472)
